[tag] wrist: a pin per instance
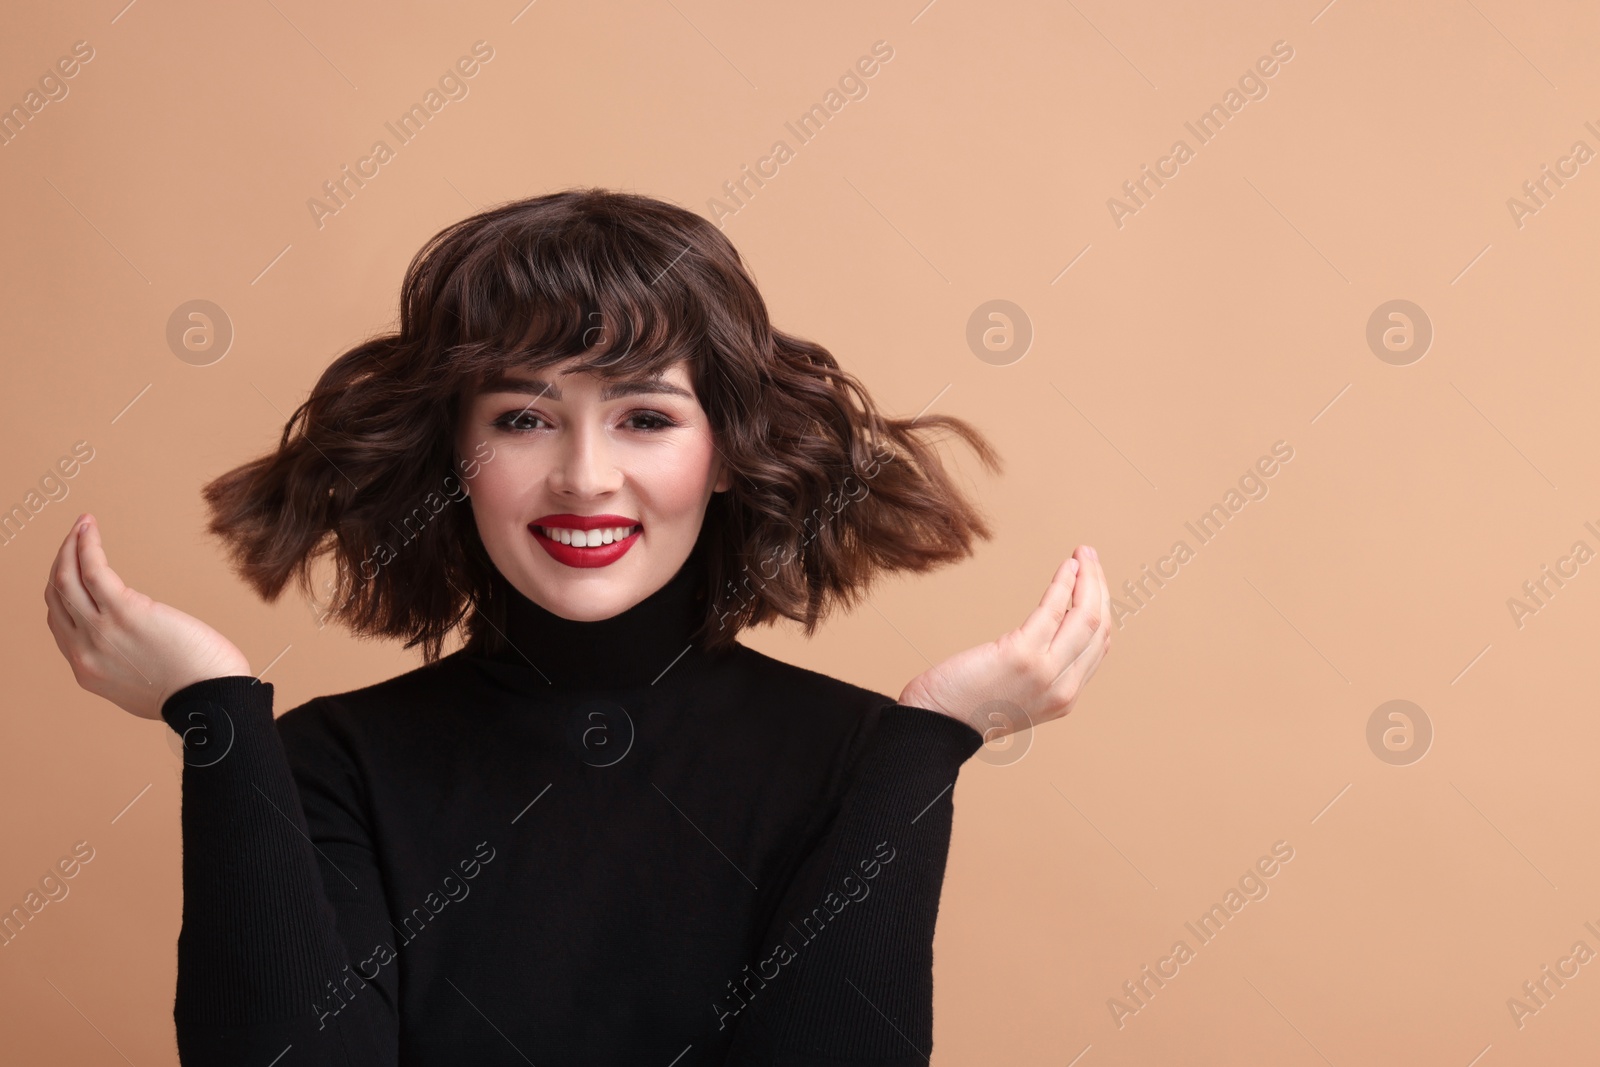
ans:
(913, 696)
(185, 679)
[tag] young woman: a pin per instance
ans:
(601, 831)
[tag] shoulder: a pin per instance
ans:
(851, 713)
(806, 711)
(788, 682)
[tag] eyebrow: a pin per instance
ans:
(503, 382)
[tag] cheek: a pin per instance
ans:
(504, 488)
(676, 484)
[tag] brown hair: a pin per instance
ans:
(827, 492)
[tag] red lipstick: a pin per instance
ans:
(573, 556)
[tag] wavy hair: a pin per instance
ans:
(827, 492)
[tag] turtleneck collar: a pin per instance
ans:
(631, 649)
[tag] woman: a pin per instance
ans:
(601, 830)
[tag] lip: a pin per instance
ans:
(599, 556)
(584, 522)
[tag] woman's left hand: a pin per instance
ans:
(1036, 672)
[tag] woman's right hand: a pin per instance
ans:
(122, 645)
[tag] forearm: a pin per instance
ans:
(259, 948)
(845, 975)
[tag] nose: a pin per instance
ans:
(585, 467)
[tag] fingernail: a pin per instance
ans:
(1072, 565)
(1093, 554)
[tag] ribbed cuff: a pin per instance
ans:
(945, 738)
(199, 713)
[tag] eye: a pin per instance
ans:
(509, 420)
(644, 421)
(656, 421)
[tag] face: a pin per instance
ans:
(567, 448)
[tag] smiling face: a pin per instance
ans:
(570, 447)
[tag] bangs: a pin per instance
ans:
(616, 299)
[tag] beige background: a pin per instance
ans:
(1228, 313)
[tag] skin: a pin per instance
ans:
(121, 644)
(581, 455)
(1034, 673)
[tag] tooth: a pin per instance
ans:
(588, 538)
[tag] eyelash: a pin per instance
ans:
(504, 421)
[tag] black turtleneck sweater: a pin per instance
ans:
(596, 845)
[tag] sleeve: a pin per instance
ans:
(844, 974)
(282, 896)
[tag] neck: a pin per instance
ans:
(634, 648)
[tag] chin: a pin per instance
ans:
(584, 597)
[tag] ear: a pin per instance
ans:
(724, 477)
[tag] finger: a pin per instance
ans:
(1105, 593)
(1089, 597)
(59, 616)
(1098, 646)
(1104, 585)
(64, 576)
(1042, 623)
(1096, 641)
(64, 552)
(98, 578)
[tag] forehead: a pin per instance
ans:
(550, 383)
